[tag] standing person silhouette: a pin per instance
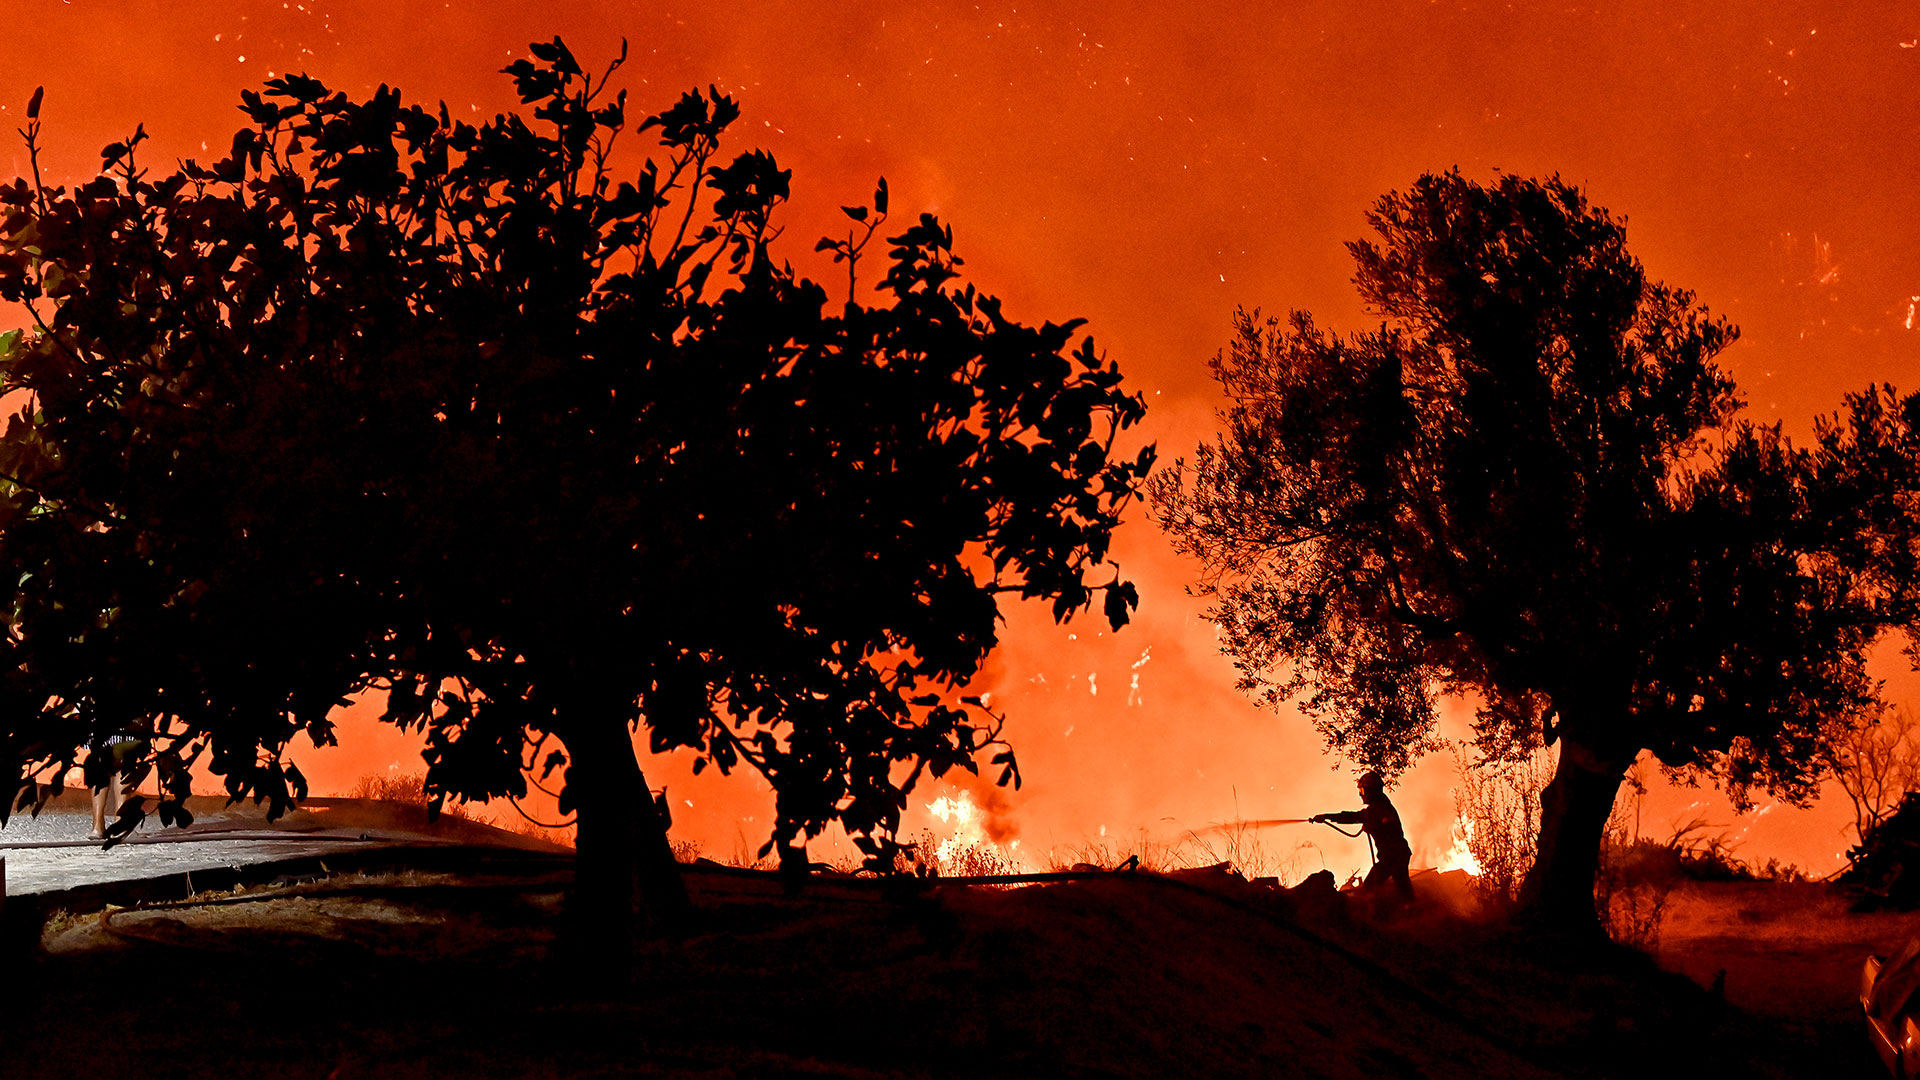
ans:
(1381, 822)
(109, 791)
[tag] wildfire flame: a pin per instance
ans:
(1460, 855)
(967, 849)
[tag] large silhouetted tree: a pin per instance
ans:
(1530, 487)
(385, 402)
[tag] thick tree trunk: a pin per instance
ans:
(621, 851)
(1558, 891)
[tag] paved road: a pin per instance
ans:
(77, 861)
(51, 853)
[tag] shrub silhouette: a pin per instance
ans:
(1886, 864)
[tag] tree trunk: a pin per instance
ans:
(621, 851)
(1558, 891)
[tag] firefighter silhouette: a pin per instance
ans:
(1381, 822)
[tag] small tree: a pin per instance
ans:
(1874, 756)
(387, 402)
(1498, 806)
(1530, 485)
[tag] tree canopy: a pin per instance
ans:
(387, 402)
(1530, 486)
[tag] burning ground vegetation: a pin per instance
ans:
(1195, 972)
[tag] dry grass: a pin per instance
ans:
(930, 855)
(60, 920)
(1498, 804)
(1246, 846)
(410, 789)
(1632, 889)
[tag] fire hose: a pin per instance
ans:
(1373, 854)
(1267, 822)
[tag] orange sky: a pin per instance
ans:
(1149, 167)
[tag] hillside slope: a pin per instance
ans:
(1123, 976)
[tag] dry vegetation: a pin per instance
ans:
(1498, 805)
(410, 789)
(1876, 760)
(1246, 846)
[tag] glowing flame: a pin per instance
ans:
(959, 812)
(967, 850)
(1460, 855)
(956, 809)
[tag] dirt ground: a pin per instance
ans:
(1128, 976)
(1790, 953)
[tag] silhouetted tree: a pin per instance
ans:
(1876, 762)
(387, 402)
(1529, 487)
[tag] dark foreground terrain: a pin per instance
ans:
(1202, 975)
